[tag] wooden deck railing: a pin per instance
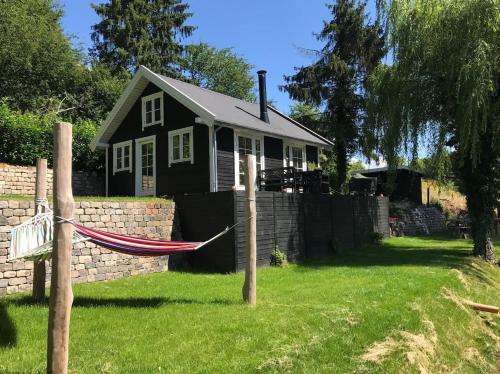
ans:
(289, 179)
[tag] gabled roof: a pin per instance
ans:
(210, 106)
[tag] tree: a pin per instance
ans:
(96, 91)
(219, 70)
(141, 32)
(335, 82)
(37, 60)
(444, 89)
(309, 116)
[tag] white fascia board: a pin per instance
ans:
(269, 134)
(119, 104)
(145, 73)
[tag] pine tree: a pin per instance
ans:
(335, 81)
(141, 32)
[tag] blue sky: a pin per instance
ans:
(266, 33)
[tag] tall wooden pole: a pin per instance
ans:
(39, 265)
(61, 294)
(250, 285)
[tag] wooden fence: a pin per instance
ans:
(301, 225)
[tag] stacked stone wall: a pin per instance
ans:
(91, 263)
(20, 180)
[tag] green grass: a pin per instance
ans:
(315, 317)
(144, 199)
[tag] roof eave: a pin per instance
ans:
(305, 128)
(145, 73)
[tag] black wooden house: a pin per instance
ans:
(166, 137)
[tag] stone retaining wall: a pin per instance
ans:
(20, 180)
(91, 263)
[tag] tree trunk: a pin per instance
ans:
(61, 294)
(341, 156)
(478, 182)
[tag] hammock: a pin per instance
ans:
(32, 240)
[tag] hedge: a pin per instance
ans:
(25, 137)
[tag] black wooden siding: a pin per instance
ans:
(311, 154)
(225, 159)
(301, 225)
(201, 217)
(180, 177)
(273, 153)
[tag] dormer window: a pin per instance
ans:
(152, 110)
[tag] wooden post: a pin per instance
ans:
(61, 294)
(39, 265)
(250, 285)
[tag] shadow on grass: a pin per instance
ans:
(8, 334)
(436, 250)
(125, 302)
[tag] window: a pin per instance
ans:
(180, 144)
(246, 145)
(122, 153)
(294, 155)
(152, 110)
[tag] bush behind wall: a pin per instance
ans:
(25, 137)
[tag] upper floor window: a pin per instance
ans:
(122, 153)
(180, 145)
(152, 110)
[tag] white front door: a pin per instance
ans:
(145, 177)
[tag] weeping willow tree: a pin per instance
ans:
(443, 91)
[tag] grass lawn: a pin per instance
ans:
(395, 308)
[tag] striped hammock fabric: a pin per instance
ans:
(131, 245)
(32, 240)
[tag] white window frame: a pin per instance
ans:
(254, 137)
(180, 133)
(122, 145)
(295, 145)
(138, 164)
(152, 98)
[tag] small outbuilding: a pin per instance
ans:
(406, 185)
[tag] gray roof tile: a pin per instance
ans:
(239, 113)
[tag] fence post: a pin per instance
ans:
(39, 274)
(250, 285)
(61, 294)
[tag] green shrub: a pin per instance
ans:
(278, 258)
(25, 137)
(377, 238)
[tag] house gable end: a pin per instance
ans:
(134, 91)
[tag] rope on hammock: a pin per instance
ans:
(32, 239)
